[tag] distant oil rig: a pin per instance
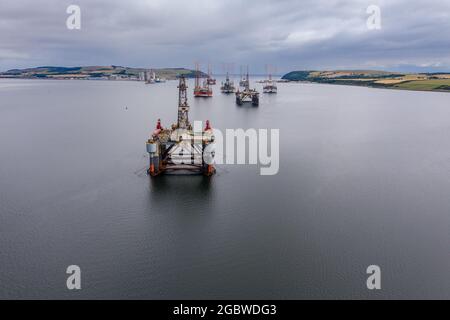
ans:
(269, 86)
(247, 94)
(150, 77)
(243, 80)
(227, 86)
(180, 149)
(211, 81)
(204, 89)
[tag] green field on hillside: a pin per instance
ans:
(378, 79)
(431, 84)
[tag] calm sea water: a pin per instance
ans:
(364, 179)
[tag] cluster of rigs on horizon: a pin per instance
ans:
(184, 149)
(244, 95)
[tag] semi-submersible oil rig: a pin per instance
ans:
(180, 149)
(247, 94)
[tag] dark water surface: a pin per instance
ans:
(364, 179)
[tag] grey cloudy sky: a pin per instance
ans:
(291, 34)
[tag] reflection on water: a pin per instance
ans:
(185, 188)
(190, 184)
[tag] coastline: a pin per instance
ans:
(288, 81)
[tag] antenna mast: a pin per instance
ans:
(183, 107)
(197, 75)
(248, 80)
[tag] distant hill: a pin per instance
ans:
(338, 74)
(95, 72)
(375, 78)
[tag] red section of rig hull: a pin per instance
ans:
(203, 93)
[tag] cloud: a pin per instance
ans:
(7, 54)
(291, 34)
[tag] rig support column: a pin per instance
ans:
(154, 165)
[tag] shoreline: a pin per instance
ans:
(289, 81)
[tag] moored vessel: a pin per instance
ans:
(247, 94)
(228, 86)
(244, 81)
(210, 80)
(201, 90)
(269, 86)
